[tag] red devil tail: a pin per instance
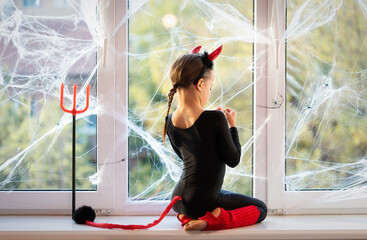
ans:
(132, 227)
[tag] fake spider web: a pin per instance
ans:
(325, 100)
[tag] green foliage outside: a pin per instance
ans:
(336, 50)
(149, 62)
(332, 57)
(42, 160)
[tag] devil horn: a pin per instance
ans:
(215, 53)
(196, 49)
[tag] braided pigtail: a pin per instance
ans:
(170, 99)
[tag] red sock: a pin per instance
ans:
(239, 217)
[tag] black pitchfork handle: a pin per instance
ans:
(73, 169)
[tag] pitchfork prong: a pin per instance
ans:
(74, 100)
(87, 102)
(73, 111)
(62, 100)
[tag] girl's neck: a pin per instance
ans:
(189, 103)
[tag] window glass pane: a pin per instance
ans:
(31, 3)
(159, 32)
(40, 48)
(326, 111)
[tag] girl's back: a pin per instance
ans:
(205, 148)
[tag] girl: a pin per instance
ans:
(206, 141)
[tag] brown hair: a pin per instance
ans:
(183, 72)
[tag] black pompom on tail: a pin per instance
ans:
(84, 213)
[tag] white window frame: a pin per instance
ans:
(112, 136)
(59, 202)
(278, 199)
(127, 207)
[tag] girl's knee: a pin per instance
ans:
(263, 214)
(263, 205)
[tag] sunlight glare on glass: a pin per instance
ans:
(169, 20)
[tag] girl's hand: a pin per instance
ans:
(230, 114)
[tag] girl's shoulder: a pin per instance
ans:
(214, 117)
(206, 117)
(215, 113)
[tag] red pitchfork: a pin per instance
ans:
(74, 112)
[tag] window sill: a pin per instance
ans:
(273, 227)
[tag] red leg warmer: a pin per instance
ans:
(231, 219)
(184, 219)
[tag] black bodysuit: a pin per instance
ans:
(206, 148)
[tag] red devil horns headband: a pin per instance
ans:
(207, 60)
(196, 49)
(211, 56)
